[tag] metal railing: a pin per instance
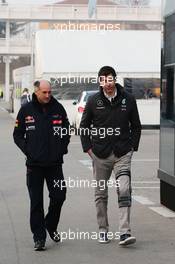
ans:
(15, 46)
(74, 12)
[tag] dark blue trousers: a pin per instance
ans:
(57, 194)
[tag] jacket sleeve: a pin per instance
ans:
(85, 127)
(19, 131)
(66, 134)
(135, 126)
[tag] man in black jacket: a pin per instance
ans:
(38, 133)
(110, 131)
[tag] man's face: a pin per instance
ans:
(43, 93)
(108, 84)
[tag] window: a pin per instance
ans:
(143, 88)
(170, 93)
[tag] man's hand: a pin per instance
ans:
(90, 152)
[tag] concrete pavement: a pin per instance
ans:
(155, 233)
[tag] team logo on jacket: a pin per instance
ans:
(56, 119)
(57, 122)
(124, 101)
(123, 105)
(100, 104)
(28, 128)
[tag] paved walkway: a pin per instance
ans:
(155, 233)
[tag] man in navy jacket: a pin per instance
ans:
(38, 133)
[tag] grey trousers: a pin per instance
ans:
(102, 169)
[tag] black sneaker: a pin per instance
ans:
(55, 236)
(127, 239)
(103, 238)
(39, 245)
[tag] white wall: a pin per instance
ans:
(135, 52)
(149, 111)
(23, 76)
(87, 51)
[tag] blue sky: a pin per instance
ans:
(153, 2)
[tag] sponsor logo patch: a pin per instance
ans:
(30, 128)
(100, 107)
(123, 105)
(56, 122)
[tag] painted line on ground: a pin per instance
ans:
(145, 187)
(163, 211)
(89, 162)
(142, 200)
(146, 182)
(145, 160)
(3, 109)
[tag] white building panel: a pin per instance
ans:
(86, 51)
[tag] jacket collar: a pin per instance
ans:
(117, 99)
(110, 98)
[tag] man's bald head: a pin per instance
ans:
(41, 83)
(43, 91)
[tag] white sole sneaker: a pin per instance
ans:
(104, 241)
(127, 241)
(103, 238)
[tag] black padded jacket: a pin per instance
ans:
(115, 126)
